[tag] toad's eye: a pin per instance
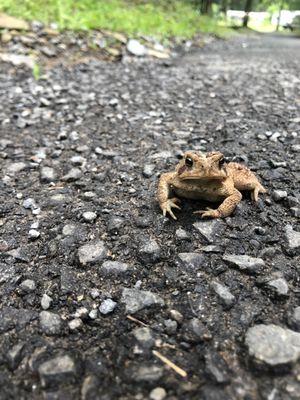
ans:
(189, 162)
(222, 162)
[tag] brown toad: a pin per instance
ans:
(207, 177)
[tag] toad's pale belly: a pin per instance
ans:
(199, 194)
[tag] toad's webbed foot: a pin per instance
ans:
(209, 213)
(167, 206)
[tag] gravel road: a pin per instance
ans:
(100, 293)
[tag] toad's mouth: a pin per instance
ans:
(202, 177)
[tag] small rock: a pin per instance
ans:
(224, 294)
(136, 48)
(73, 175)
(176, 315)
(273, 344)
(280, 286)
(148, 170)
(147, 373)
(170, 326)
(191, 261)
(33, 234)
(93, 314)
(295, 318)
(150, 252)
(107, 306)
(29, 204)
(75, 324)
(89, 216)
(115, 224)
(113, 268)
(245, 263)
(136, 299)
(293, 240)
(216, 367)
(113, 102)
(46, 302)
(58, 370)
(158, 394)
(92, 252)
(69, 229)
(196, 331)
(181, 234)
(15, 355)
(209, 229)
(144, 337)
(279, 195)
(50, 323)
(15, 168)
(47, 175)
(28, 286)
(94, 293)
(78, 160)
(81, 312)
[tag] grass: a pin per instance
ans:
(161, 19)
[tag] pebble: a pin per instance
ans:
(177, 316)
(191, 261)
(224, 294)
(33, 234)
(15, 355)
(170, 326)
(181, 234)
(75, 324)
(47, 175)
(113, 268)
(209, 229)
(293, 240)
(158, 393)
(73, 175)
(69, 229)
(29, 204)
(93, 314)
(273, 345)
(135, 48)
(150, 252)
(50, 323)
(78, 160)
(94, 293)
(61, 369)
(144, 336)
(46, 302)
(148, 170)
(280, 286)
(147, 373)
(15, 168)
(28, 286)
(216, 367)
(279, 195)
(245, 263)
(295, 318)
(136, 300)
(92, 252)
(107, 306)
(89, 216)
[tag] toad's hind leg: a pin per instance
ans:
(244, 179)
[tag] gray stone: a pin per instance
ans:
(107, 306)
(50, 323)
(279, 195)
(148, 170)
(295, 318)
(181, 234)
(69, 229)
(191, 261)
(89, 216)
(28, 286)
(158, 393)
(209, 229)
(170, 326)
(61, 369)
(273, 345)
(280, 286)
(135, 300)
(115, 224)
(150, 252)
(147, 373)
(47, 175)
(94, 293)
(58, 199)
(113, 268)
(293, 240)
(15, 355)
(75, 324)
(176, 315)
(73, 175)
(16, 167)
(78, 160)
(144, 336)
(93, 314)
(224, 294)
(136, 48)
(33, 234)
(92, 252)
(245, 263)
(46, 301)
(29, 204)
(216, 367)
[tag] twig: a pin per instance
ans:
(165, 360)
(137, 321)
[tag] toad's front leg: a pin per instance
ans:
(225, 209)
(163, 193)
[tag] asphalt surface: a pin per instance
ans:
(96, 285)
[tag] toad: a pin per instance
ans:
(207, 177)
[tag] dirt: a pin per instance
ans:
(106, 131)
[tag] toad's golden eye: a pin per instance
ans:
(189, 162)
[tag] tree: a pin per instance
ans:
(248, 8)
(206, 6)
